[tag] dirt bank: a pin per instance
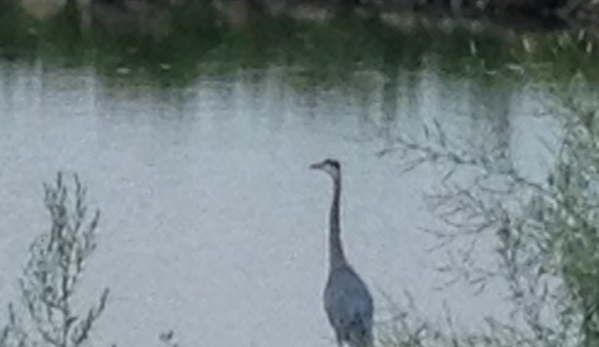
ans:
(530, 14)
(148, 16)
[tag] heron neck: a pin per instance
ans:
(337, 258)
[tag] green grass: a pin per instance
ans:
(326, 53)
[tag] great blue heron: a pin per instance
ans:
(347, 302)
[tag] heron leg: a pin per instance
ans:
(369, 338)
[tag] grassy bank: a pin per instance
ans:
(326, 53)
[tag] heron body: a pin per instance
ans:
(349, 307)
(347, 301)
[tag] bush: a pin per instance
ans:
(544, 232)
(53, 272)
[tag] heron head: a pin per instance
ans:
(330, 166)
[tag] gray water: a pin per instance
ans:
(212, 224)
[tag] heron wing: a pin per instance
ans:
(348, 303)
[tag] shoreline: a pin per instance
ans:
(520, 16)
(141, 16)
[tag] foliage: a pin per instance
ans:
(53, 273)
(543, 231)
(199, 45)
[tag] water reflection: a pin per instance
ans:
(212, 224)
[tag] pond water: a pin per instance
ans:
(212, 224)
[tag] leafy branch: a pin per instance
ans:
(53, 273)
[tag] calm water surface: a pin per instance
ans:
(212, 223)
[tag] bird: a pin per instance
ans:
(347, 301)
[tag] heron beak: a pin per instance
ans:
(317, 166)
